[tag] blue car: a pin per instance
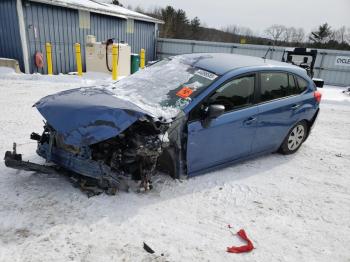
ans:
(183, 116)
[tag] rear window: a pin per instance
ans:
(302, 83)
(298, 86)
(293, 87)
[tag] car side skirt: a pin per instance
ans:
(229, 163)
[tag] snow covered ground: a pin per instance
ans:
(294, 208)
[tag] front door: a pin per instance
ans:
(229, 136)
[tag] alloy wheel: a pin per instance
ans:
(296, 137)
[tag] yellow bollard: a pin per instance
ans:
(49, 58)
(142, 58)
(114, 62)
(78, 58)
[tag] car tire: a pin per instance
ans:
(295, 138)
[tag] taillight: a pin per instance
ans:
(318, 96)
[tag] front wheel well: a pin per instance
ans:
(168, 162)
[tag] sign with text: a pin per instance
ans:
(342, 61)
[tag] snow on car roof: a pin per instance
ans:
(221, 63)
(101, 8)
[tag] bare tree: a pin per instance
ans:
(232, 29)
(339, 35)
(238, 30)
(275, 32)
(288, 33)
(246, 31)
(298, 35)
(139, 9)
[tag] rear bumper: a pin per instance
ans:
(313, 120)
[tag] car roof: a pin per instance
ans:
(221, 63)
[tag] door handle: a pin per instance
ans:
(294, 107)
(249, 121)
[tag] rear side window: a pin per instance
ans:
(273, 86)
(293, 87)
(235, 94)
(303, 84)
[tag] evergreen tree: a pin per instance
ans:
(181, 24)
(322, 34)
(168, 16)
(195, 27)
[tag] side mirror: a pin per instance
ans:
(318, 82)
(215, 110)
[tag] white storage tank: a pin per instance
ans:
(99, 58)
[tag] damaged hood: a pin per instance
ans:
(86, 116)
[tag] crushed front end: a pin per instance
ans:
(101, 142)
(108, 166)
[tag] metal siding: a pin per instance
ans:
(60, 27)
(325, 67)
(144, 38)
(10, 40)
(41, 32)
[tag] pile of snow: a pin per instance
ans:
(88, 79)
(294, 208)
(334, 94)
(4, 70)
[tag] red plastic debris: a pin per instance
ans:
(242, 249)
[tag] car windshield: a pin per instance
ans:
(165, 87)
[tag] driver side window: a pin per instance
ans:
(235, 94)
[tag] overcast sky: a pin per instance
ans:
(259, 14)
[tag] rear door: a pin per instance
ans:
(280, 107)
(229, 136)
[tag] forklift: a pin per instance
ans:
(304, 58)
